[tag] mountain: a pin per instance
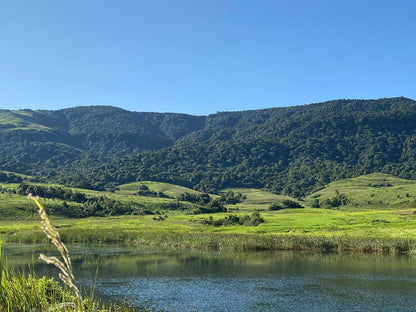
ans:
(290, 150)
(35, 140)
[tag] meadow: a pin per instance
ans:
(375, 214)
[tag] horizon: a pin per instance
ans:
(218, 112)
(202, 58)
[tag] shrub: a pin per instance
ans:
(232, 199)
(286, 204)
(337, 201)
(291, 204)
(212, 207)
(249, 220)
(275, 207)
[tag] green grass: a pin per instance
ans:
(257, 199)
(287, 229)
(167, 188)
(19, 120)
(373, 191)
(21, 292)
(390, 225)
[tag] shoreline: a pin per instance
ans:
(229, 241)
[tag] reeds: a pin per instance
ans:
(65, 267)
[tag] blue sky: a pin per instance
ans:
(200, 57)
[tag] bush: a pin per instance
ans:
(250, 220)
(212, 207)
(291, 204)
(202, 199)
(286, 204)
(337, 201)
(232, 199)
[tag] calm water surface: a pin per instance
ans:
(215, 281)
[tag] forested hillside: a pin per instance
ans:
(38, 140)
(292, 150)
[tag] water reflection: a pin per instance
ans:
(213, 281)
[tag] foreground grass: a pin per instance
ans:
(295, 229)
(20, 292)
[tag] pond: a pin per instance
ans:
(178, 280)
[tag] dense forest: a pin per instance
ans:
(289, 150)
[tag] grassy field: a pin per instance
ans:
(373, 191)
(308, 228)
(389, 226)
(169, 189)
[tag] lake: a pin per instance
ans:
(178, 280)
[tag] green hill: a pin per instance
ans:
(41, 141)
(293, 151)
(290, 151)
(373, 191)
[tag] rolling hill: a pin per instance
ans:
(289, 150)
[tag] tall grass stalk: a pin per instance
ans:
(1, 263)
(21, 293)
(65, 267)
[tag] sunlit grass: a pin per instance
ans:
(167, 188)
(293, 227)
(19, 120)
(374, 191)
(296, 226)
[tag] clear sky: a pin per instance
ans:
(200, 57)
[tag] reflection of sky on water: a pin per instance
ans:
(262, 281)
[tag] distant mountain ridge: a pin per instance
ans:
(58, 138)
(290, 150)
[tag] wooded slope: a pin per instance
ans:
(290, 150)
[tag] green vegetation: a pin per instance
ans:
(369, 192)
(20, 292)
(351, 226)
(290, 151)
(327, 176)
(249, 220)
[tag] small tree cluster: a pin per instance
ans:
(337, 201)
(212, 207)
(196, 198)
(286, 204)
(249, 220)
(231, 199)
(51, 192)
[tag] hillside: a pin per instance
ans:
(290, 150)
(35, 140)
(372, 191)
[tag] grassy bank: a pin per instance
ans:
(295, 229)
(19, 292)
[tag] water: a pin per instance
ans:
(215, 281)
